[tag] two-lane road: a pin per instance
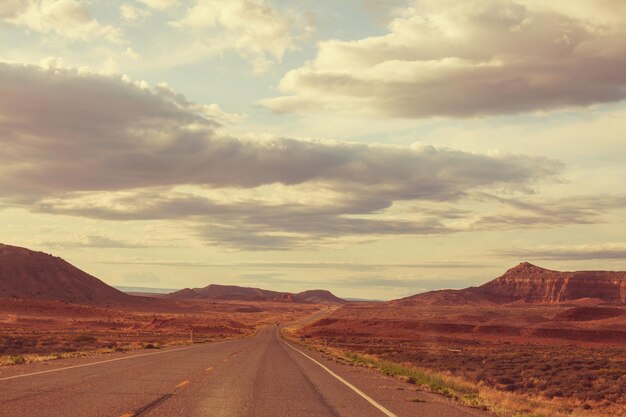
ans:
(262, 376)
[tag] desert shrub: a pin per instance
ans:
(84, 338)
(554, 392)
(505, 380)
(17, 360)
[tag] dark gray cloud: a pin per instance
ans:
(533, 212)
(344, 266)
(568, 253)
(83, 144)
(63, 131)
(95, 241)
(251, 225)
(258, 232)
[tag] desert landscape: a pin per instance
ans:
(50, 309)
(533, 341)
(265, 208)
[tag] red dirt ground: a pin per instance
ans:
(51, 327)
(563, 352)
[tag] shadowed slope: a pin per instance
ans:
(27, 274)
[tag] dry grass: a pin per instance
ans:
(532, 360)
(6, 360)
(477, 393)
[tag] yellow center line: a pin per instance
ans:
(182, 384)
(127, 415)
(225, 360)
(209, 369)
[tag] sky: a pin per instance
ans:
(375, 148)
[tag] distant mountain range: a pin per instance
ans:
(529, 283)
(233, 292)
(27, 274)
(145, 290)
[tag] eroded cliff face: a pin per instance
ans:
(530, 283)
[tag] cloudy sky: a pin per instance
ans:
(376, 148)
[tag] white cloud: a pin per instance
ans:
(65, 18)
(211, 111)
(467, 58)
(257, 31)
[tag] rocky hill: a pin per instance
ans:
(318, 297)
(234, 292)
(26, 274)
(532, 284)
(229, 292)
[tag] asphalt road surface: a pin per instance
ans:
(262, 376)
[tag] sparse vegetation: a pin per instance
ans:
(34, 358)
(16, 360)
(479, 395)
(38, 330)
(431, 380)
(495, 367)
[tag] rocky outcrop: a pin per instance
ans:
(532, 284)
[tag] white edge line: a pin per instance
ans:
(349, 385)
(100, 362)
